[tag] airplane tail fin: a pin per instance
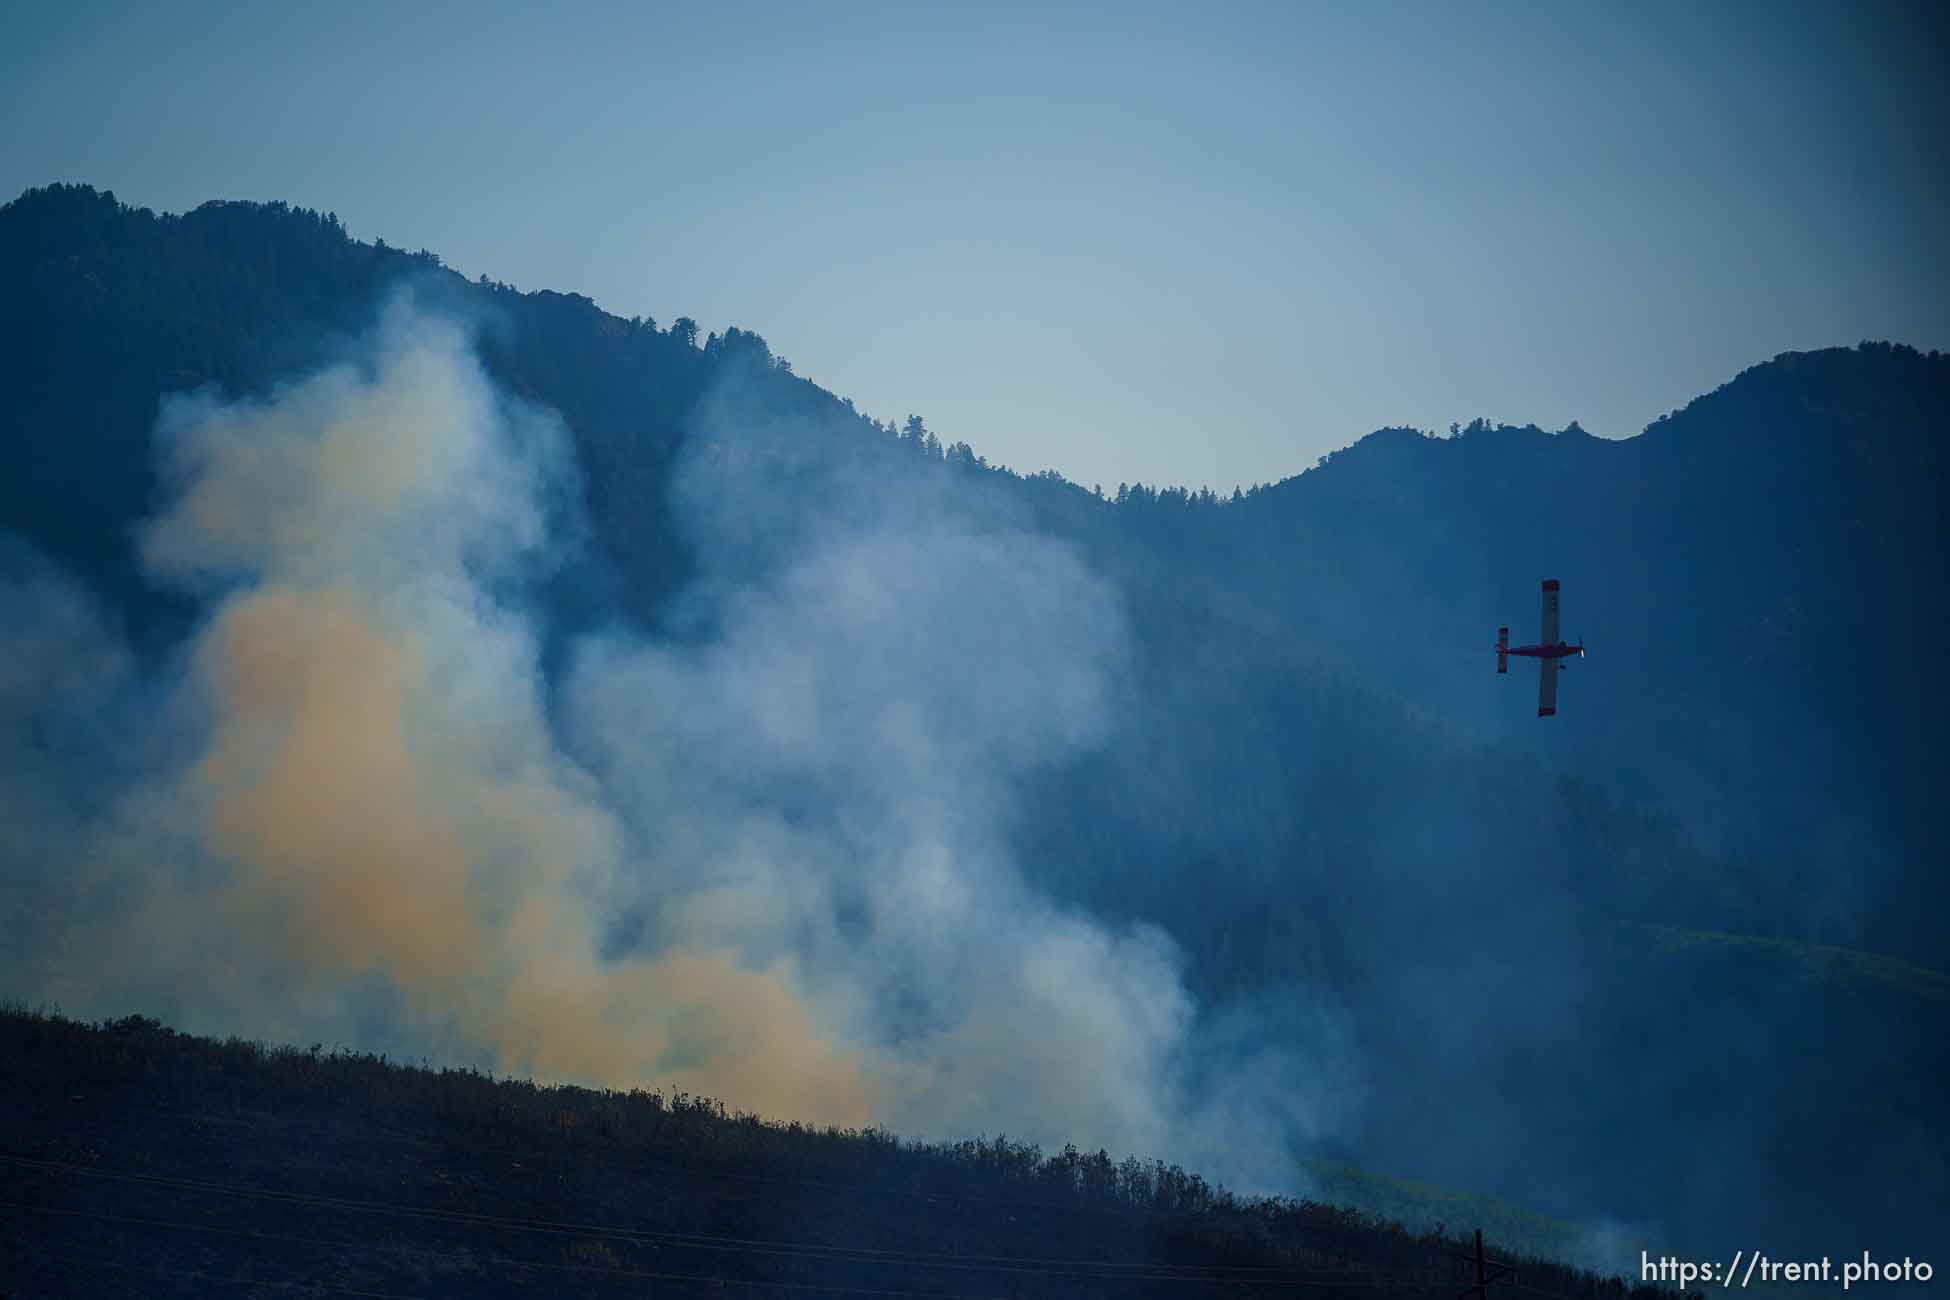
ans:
(1503, 649)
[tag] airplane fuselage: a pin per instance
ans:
(1548, 652)
(1560, 650)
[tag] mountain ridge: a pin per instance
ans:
(1313, 769)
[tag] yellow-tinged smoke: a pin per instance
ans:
(314, 797)
(378, 785)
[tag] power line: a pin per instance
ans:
(1109, 1270)
(811, 1252)
(461, 1256)
(859, 1254)
(1318, 1239)
(501, 1262)
(165, 1271)
(654, 1166)
(1091, 1269)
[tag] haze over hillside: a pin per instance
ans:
(450, 670)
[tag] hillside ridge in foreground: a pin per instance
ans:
(137, 1160)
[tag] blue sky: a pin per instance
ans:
(1198, 244)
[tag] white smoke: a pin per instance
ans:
(768, 861)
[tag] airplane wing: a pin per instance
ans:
(1550, 611)
(1547, 680)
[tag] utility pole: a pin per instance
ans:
(1481, 1290)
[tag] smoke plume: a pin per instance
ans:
(761, 855)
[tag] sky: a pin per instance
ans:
(1172, 244)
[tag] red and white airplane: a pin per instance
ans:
(1550, 653)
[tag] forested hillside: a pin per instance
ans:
(1426, 919)
(160, 1164)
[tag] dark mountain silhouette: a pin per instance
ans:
(159, 1164)
(1760, 575)
(1319, 786)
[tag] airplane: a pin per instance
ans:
(1550, 653)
